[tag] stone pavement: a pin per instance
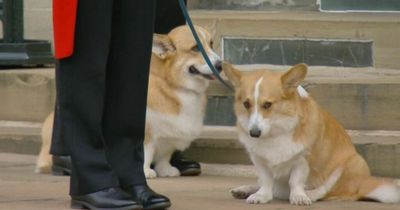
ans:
(21, 189)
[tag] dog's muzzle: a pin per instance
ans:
(193, 70)
(255, 132)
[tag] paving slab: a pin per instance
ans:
(21, 189)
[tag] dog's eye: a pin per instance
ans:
(211, 44)
(247, 104)
(195, 48)
(267, 105)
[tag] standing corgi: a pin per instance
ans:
(177, 97)
(176, 102)
(300, 152)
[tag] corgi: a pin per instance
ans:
(177, 98)
(300, 152)
(178, 80)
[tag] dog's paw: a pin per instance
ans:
(243, 192)
(150, 173)
(314, 195)
(258, 198)
(300, 200)
(167, 171)
(42, 170)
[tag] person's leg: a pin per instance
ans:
(168, 16)
(80, 96)
(126, 93)
(61, 160)
(126, 98)
(58, 146)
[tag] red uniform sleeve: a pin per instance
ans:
(64, 21)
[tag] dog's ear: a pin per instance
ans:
(233, 74)
(211, 28)
(293, 78)
(162, 45)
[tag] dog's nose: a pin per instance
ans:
(255, 132)
(218, 65)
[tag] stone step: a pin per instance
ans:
(378, 28)
(219, 145)
(360, 98)
(260, 5)
(273, 5)
(26, 94)
(20, 137)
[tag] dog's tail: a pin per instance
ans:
(321, 191)
(370, 188)
(44, 160)
(379, 189)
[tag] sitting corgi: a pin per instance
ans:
(179, 78)
(300, 152)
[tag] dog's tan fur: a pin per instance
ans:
(176, 99)
(307, 153)
(44, 160)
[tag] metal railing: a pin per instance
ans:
(14, 49)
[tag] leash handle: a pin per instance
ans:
(200, 46)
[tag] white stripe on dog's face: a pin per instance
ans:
(256, 117)
(257, 121)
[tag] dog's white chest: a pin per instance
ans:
(187, 124)
(275, 151)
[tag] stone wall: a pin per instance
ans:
(38, 22)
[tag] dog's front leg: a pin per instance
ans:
(298, 177)
(162, 164)
(266, 181)
(149, 150)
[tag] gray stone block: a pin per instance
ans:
(262, 5)
(26, 95)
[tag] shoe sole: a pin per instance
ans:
(191, 172)
(60, 171)
(85, 205)
(158, 206)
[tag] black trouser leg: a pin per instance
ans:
(80, 95)
(58, 146)
(168, 16)
(126, 94)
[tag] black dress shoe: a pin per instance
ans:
(149, 199)
(186, 167)
(107, 199)
(61, 165)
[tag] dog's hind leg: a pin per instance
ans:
(44, 161)
(321, 191)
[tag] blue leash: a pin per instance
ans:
(200, 46)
